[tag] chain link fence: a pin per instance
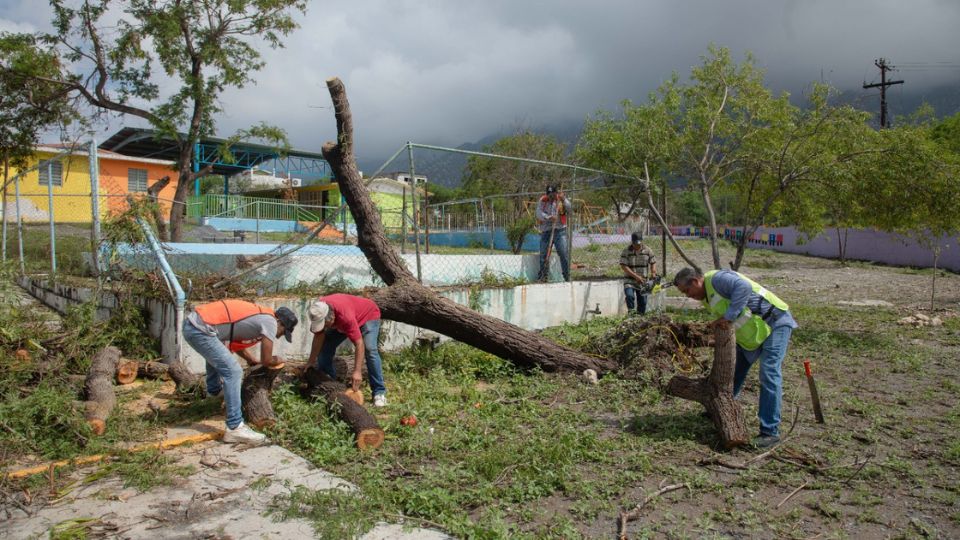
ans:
(306, 238)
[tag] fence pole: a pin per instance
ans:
(343, 214)
(488, 221)
(663, 232)
(258, 221)
(6, 214)
(94, 162)
(403, 221)
(53, 238)
(16, 191)
(413, 201)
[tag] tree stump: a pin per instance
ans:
(98, 386)
(715, 392)
(366, 429)
(187, 381)
(255, 395)
(127, 371)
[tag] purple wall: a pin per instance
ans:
(863, 245)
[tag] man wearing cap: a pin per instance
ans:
(762, 324)
(219, 328)
(552, 211)
(638, 264)
(336, 317)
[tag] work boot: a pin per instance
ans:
(762, 442)
(243, 434)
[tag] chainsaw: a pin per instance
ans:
(653, 285)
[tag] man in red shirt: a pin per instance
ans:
(336, 317)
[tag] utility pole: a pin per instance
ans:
(883, 84)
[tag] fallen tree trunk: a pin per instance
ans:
(366, 429)
(127, 371)
(153, 370)
(406, 300)
(715, 391)
(98, 386)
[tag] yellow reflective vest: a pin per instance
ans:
(750, 329)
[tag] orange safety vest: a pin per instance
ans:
(231, 312)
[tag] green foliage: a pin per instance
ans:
(197, 49)
(517, 232)
(142, 470)
(28, 104)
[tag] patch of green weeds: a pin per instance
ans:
(952, 452)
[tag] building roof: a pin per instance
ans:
(149, 143)
(57, 148)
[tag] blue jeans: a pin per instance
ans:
(370, 331)
(770, 354)
(632, 296)
(223, 371)
(560, 246)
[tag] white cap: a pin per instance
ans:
(318, 315)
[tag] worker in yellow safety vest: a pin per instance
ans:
(217, 329)
(762, 324)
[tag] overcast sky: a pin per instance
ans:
(452, 71)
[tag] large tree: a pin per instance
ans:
(126, 54)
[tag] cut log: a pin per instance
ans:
(187, 381)
(715, 391)
(98, 387)
(366, 429)
(255, 395)
(153, 370)
(127, 371)
(406, 300)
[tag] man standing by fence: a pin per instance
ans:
(552, 211)
(639, 265)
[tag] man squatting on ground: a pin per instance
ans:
(638, 264)
(336, 317)
(762, 323)
(217, 329)
(552, 222)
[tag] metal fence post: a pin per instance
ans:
(6, 215)
(94, 163)
(258, 221)
(53, 238)
(16, 188)
(413, 200)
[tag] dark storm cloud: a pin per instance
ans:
(446, 72)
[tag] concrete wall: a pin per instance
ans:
(528, 306)
(335, 263)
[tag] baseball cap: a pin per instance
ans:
(318, 315)
(551, 189)
(636, 238)
(289, 321)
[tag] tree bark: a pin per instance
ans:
(187, 381)
(255, 395)
(127, 371)
(98, 386)
(715, 392)
(153, 194)
(153, 370)
(365, 427)
(406, 300)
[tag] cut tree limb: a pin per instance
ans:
(406, 300)
(715, 392)
(127, 371)
(153, 370)
(255, 395)
(98, 386)
(365, 427)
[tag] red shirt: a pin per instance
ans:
(350, 313)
